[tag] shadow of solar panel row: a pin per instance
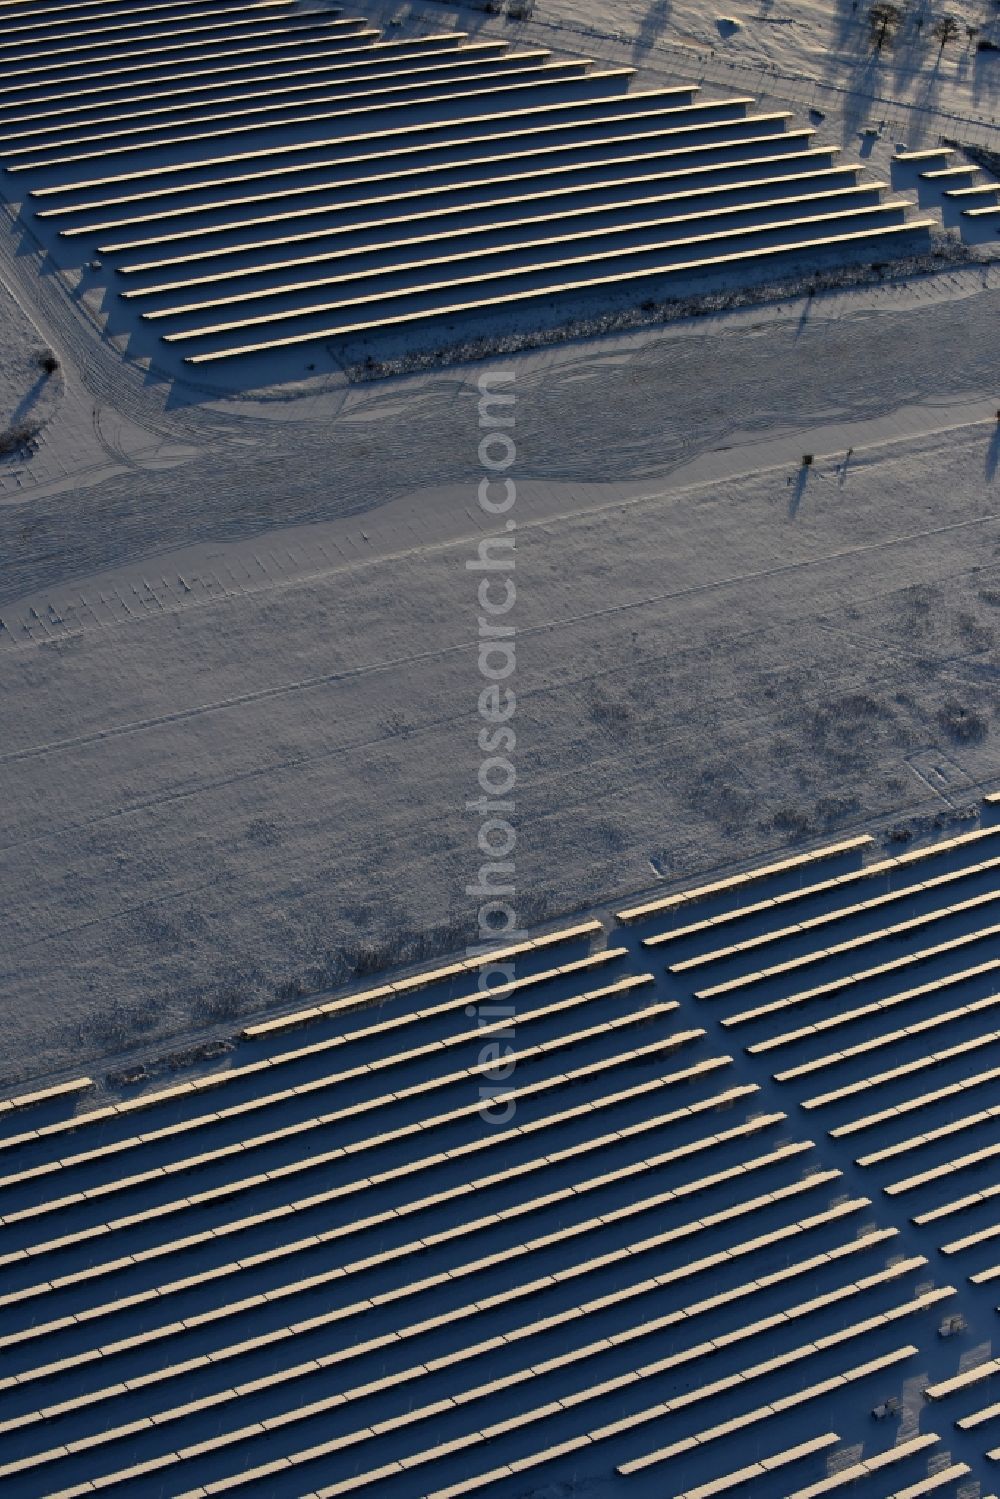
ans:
(967, 196)
(352, 1259)
(255, 179)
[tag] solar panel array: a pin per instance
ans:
(268, 177)
(968, 198)
(735, 1198)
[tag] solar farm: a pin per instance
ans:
(739, 1233)
(259, 181)
(652, 354)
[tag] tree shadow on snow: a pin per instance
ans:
(795, 498)
(985, 78)
(928, 84)
(27, 401)
(853, 64)
(859, 99)
(804, 316)
(653, 23)
(993, 454)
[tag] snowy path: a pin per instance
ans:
(209, 802)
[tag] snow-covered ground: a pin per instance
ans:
(238, 659)
(237, 768)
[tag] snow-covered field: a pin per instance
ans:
(234, 767)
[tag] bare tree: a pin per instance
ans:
(883, 19)
(945, 31)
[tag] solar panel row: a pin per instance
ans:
(153, 99)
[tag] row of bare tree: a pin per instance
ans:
(884, 20)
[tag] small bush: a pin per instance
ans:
(17, 439)
(791, 819)
(964, 725)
